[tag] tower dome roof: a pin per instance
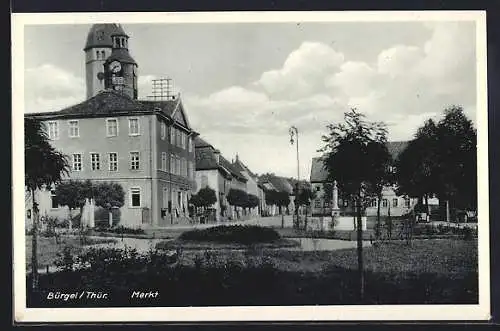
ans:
(100, 35)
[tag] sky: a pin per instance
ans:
(244, 85)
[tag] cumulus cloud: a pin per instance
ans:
(50, 88)
(403, 86)
(303, 71)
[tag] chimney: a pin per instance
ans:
(217, 156)
(237, 159)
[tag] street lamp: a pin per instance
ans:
(294, 137)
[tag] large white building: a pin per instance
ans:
(145, 146)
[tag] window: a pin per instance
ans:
(103, 55)
(95, 161)
(346, 203)
(53, 130)
(204, 181)
(135, 197)
(178, 166)
(177, 138)
(172, 135)
(77, 162)
(317, 203)
(318, 188)
(163, 130)
(384, 203)
(98, 55)
(133, 126)
(163, 161)
(183, 140)
(373, 203)
(395, 202)
(134, 160)
(172, 164)
(184, 167)
(190, 170)
(113, 161)
(112, 127)
(54, 200)
(407, 203)
(74, 130)
(190, 144)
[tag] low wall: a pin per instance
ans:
(341, 223)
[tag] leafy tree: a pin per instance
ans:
(352, 157)
(253, 201)
(73, 193)
(109, 196)
(305, 196)
(417, 165)
(44, 166)
(442, 160)
(205, 197)
(380, 162)
(237, 198)
(457, 166)
(271, 197)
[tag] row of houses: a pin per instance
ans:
(147, 146)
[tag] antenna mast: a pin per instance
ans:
(161, 89)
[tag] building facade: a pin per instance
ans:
(391, 203)
(216, 172)
(145, 146)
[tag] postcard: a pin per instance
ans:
(250, 166)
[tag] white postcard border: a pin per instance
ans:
(292, 313)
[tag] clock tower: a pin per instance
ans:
(98, 48)
(120, 69)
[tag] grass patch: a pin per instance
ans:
(233, 234)
(49, 247)
(433, 271)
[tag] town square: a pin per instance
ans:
(272, 164)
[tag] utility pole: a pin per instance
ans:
(294, 132)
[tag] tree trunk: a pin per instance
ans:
(34, 245)
(70, 223)
(110, 218)
(447, 211)
(360, 251)
(428, 212)
(378, 229)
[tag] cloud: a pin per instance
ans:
(303, 71)
(403, 86)
(50, 88)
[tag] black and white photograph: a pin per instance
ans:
(250, 166)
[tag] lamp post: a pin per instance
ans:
(294, 137)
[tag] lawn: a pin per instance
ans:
(428, 271)
(48, 248)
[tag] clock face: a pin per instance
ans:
(115, 66)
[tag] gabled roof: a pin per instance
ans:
(206, 160)
(320, 174)
(318, 171)
(240, 166)
(112, 103)
(280, 184)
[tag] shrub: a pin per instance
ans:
(242, 234)
(65, 260)
(119, 229)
